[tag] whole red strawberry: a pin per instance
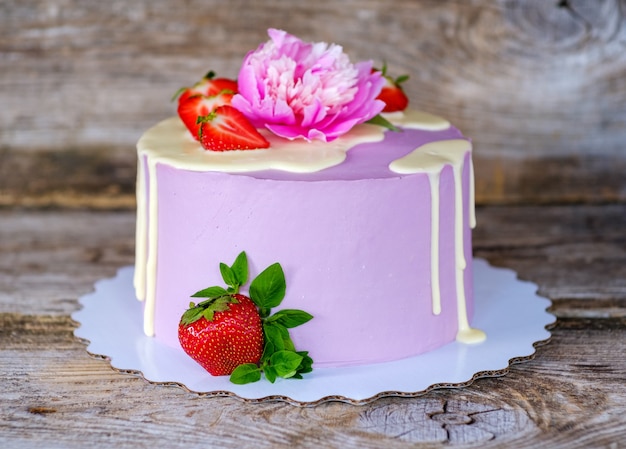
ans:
(231, 337)
(232, 334)
(392, 93)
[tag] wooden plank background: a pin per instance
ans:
(539, 85)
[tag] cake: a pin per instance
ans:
(372, 226)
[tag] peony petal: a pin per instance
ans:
(247, 84)
(288, 132)
(281, 113)
(278, 36)
(313, 113)
(315, 134)
(340, 128)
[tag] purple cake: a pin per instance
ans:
(380, 256)
(371, 226)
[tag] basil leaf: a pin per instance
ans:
(285, 363)
(288, 343)
(268, 350)
(270, 373)
(290, 317)
(228, 275)
(306, 366)
(240, 268)
(245, 374)
(267, 290)
(278, 335)
(274, 336)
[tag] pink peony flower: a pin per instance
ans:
(306, 90)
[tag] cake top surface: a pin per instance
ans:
(365, 152)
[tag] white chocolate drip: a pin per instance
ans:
(417, 120)
(472, 202)
(431, 158)
(141, 251)
(433, 179)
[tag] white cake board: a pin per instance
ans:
(506, 308)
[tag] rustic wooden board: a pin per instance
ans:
(538, 85)
(55, 395)
(572, 395)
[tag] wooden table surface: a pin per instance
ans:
(572, 394)
(538, 85)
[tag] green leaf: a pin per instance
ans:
(211, 292)
(191, 315)
(178, 92)
(274, 336)
(270, 373)
(306, 366)
(290, 318)
(228, 299)
(401, 79)
(221, 304)
(267, 290)
(268, 350)
(245, 374)
(379, 120)
(285, 363)
(208, 314)
(228, 275)
(240, 268)
(278, 335)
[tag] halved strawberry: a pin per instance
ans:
(195, 106)
(209, 86)
(226, 128)
(392, 94)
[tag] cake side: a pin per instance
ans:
(359, 254)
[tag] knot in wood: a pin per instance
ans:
(446, 418)
(453, 421)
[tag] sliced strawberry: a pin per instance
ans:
(195, 106)
(209, 86)
(228, 129)
(392, 93)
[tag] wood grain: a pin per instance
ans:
(538, 85)
(572, 395)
